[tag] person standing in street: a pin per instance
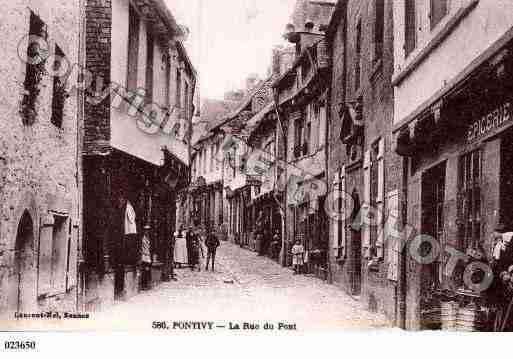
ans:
(181, 248)
(196, 250)
(298, 257)
(211, 242)
(146, 258)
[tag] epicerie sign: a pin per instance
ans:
(491, 121)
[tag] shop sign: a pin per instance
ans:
(493, 120)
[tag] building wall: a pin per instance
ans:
(486, 22)
(98, 42)
(376, 93)
(127, 130)
(38, 163)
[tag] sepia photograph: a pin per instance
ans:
(256, 167)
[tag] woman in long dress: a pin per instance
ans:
(181, 248)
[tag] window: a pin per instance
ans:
(167, 63)
(133, 49)
(357, 62)
(186, 102)
(59, 90)
(34, 69)
(438, 10)
(178, 98)
(149, 67)
(470, 199)
(308, 136)
(212, 153)
(379, 25)
(205, 163)
(216, 158)
(298, 137)
(410, 26)
(322, 125)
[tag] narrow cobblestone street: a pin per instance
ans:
(244, 288)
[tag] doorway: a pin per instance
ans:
(506, 181)
(432, 224)
(23, 264)
(356, 246)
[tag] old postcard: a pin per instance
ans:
(256, 167)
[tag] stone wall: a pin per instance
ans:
(98, 62)
(376, 94)
(38, 160)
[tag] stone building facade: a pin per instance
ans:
(39, 156)
(363, 168)
(136, 143)
(455, 138)
(301, 95)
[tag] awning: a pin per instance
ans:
(417, 135)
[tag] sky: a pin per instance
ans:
(231, 39)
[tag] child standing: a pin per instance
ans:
(298, 253)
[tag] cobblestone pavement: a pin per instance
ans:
(245, 288)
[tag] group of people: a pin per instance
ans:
(188, 247)
(266, 245)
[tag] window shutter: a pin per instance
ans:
(410, 26)
(393, 242)
(61, 255)
(71, 275)
(44, 267)
(366, 202)
(335, 221)
(380, 199)
(343, 211)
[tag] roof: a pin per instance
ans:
(256, 120)
(245, 103)
(183, 53)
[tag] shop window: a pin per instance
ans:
(133, 49)
(358, 60)
(379, 25)
(438, 10)
(470, 199)
(410, 26)
(34, 69)
(59, 90)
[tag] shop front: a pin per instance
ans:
(458, 192)
(129, 215)
(311, 230)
